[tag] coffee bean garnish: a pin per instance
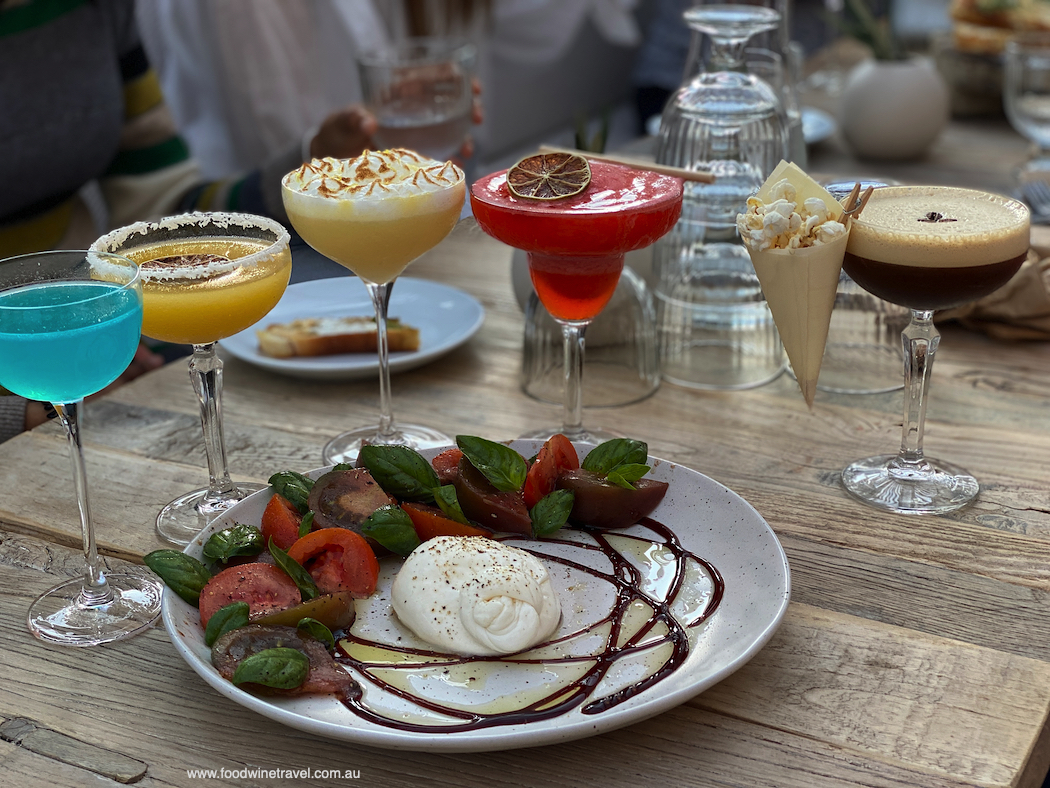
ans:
(933, 216)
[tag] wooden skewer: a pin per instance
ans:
(637, 164)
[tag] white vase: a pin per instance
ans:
(893, 109)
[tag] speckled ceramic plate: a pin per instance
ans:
(642, 631)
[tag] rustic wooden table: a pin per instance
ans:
(915, 651)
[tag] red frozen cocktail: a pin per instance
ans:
(576, 244)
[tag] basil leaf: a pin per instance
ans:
(294, 570)
(183, 574)
(224, 619)
(239, 539)
(318, 631)
(295, 487)
(624, 475)
(306, 524)
(391, 526)
(344, 466)
(619, 451)
(448, 502)
(280, 668)
(502, 466)
(551, 512)
(401, 471)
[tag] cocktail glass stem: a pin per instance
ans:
(573, 349)
(180, 520)
(206, 377)
(96, 590)
(909, 482)
(93, 609)
(380, 295)
(920, 339)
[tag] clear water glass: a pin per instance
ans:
(1026, 100)
(715, 329)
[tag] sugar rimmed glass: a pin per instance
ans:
(206, 276)
(69, 326)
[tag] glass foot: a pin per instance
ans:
(344, 448)
(587, 435)
(929, 487)
(187, 515)
(69, 616)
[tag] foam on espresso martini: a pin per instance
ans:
(935, 247)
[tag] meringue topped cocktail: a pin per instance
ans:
(927, 248)
(205, 276)
(576, 246)
(375, 214)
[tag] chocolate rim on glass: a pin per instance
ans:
(205, 277)
(928, 248)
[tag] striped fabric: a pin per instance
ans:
(151, 173)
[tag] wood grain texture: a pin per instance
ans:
(916, 651)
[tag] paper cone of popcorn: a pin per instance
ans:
(799, 282)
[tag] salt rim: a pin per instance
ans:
(373, 176)
(117, 241)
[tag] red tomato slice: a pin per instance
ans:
(280, 521)
(446, 465)
(429, 521)
(338, 559)
(557, 455)
(263, 586)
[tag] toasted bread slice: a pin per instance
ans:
(329, 336)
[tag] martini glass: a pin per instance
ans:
(205, 276)
(69, 325)
(575, 249)
(374, 215)
(928, 248)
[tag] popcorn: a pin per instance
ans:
(783, 224)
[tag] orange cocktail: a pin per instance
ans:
(576, 246)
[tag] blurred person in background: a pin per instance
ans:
(89, 144)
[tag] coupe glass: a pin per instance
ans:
(374, 215)
(69, 326)
(575, 248)
(205, 276)
(928, 248)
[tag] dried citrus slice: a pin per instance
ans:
(549, 176)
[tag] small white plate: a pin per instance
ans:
(817, 125)
(445, 316)
(703, 519)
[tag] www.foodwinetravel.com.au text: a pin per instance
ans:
(257, 773)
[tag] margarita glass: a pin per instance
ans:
(205, 276)
(928, 248)
(69, 325)
(374, 215)
(575, 248)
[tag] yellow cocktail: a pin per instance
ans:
(202, 290)
(205, 276)
(375, 214)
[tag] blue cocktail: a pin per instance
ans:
(69, 326)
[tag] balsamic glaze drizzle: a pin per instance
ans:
(626, 579)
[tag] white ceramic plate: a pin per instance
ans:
(817, 125)
(707, 520)
(446, 318)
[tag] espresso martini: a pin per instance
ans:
(928, 248)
